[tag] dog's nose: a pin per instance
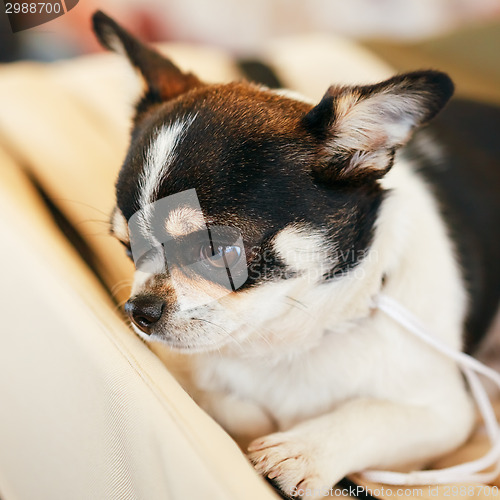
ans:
(144, 311)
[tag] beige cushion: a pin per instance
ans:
(87, 410)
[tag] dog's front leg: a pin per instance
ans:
(314, 455)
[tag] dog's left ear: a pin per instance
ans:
(359, 128)
(163, 79)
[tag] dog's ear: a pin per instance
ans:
(359, 128)
(163, 79)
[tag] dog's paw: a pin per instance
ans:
(296, 461)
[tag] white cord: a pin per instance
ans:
(469, 471)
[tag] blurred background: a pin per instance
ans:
(459, 36)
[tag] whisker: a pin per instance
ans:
(118, 308)
(229, 334)
(299, 308)
(118, 290)
(297, 301)
(257, 331)
(93, 221)
(78, 202)
(120, 285)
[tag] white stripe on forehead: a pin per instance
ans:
(159, 157)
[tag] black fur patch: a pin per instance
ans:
(414, 98)
(249, 159)
(259, 72)
(437, 87)
(467, 184)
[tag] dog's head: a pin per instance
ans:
(242, 207)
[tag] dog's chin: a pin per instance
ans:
(178, 346)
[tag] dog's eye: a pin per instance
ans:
(221, 255)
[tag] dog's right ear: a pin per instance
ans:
(359, 128)
(163, 79)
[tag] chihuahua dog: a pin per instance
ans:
(319, 207)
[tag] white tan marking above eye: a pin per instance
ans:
(184, 220)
